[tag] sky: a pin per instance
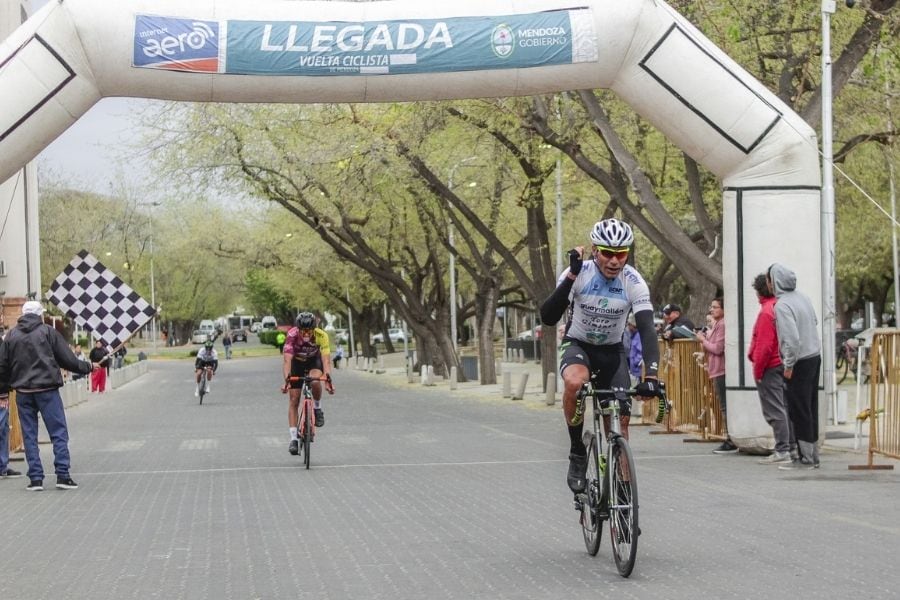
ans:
(94, 153)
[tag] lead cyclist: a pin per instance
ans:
(599, 293)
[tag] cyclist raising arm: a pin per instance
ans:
(206, 357)
(306, 352)
(600, 293)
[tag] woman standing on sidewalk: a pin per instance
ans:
(713, 342)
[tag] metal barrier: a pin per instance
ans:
(884, 399)
(72, 393)
(694, 406)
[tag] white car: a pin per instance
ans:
(395, 335)
(256, 327)
(199, 337)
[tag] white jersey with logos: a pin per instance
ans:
(600, 306)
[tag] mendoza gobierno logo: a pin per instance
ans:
(503, 40)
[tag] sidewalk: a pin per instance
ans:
(841, 437)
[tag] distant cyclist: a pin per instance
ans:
(600, 293)
(306, 352)
(206, 357)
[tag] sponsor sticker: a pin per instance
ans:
(177, 44)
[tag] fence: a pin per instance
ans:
(884, 399)
(694, 406)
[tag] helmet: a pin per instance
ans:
(208, 345)
(305, 320)
(613, 233)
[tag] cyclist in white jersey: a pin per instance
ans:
(599, 294)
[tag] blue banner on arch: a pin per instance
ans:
(410, 46)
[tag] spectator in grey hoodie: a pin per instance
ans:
(801, 354)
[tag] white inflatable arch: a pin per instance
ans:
(73, 52)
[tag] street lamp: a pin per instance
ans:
(828, 277)
(152, 281)
(451, 241)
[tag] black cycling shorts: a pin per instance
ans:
(607, 364)
(301, 368)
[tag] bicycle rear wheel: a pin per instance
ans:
(591, 523)
(623, 507)
(307, 433)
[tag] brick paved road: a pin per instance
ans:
(414, 494)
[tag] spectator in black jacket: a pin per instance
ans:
(674, 318)
(30, 362)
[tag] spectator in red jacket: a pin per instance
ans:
(768, 371)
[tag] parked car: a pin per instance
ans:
(340, 336)
(530, 334)
(238, 335)
(199, 337)
(256, 327)
(269, 323)
(395, 335)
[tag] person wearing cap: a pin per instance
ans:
(30, 361)
(674, 318)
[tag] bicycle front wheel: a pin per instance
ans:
(623, 507)
(842, 367)
(201, 387)
(591, 523)
(307, 433)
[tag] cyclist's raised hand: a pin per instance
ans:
(576, 260)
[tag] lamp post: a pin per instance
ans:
(152, 205)
(827, 232)
(450, 240)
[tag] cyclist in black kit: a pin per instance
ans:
(599, 294)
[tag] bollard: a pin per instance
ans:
(453, 378)
(409, 373)
(423, 374)
(551, 389)
(431, 380)
(521, 356)
(498, 367)
(507, 378)
(520, 393)
(381, 362)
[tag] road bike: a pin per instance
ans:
(306, 421)
(611, 490)
(203, 386)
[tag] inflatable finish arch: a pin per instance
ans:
(74, 52)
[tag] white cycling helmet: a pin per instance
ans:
(613, 233)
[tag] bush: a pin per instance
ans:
(269, 337)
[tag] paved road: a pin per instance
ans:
(415, 493)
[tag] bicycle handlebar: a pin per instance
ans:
(307, 378)
(588, 390)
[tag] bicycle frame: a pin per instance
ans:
(205, 372)
(611, 491)
(306, 421)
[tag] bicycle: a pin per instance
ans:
(204, 382)
(306, 421)
(845, 361)
(611, 491)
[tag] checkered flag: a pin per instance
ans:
(99, 301)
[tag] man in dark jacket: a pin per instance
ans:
(677, 325)
(30, 362)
